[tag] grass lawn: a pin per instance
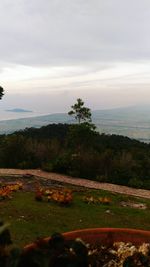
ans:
(30, 219)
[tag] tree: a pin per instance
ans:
(1, 92)
(80, 112)
(82, 133)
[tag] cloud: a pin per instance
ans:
(92, 49)
(55, 32)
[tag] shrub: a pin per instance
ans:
(135, 182)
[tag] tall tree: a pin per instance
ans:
(1, 92)
(81, 134)
(80, 113)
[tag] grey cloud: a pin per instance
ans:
(57, 32)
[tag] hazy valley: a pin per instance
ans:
(133, 122)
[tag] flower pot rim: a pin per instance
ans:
(108, 229)
(106, 235)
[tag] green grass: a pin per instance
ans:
(30, 219)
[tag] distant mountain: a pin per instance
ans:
(18, 110)
(9, 126)
(133, 122)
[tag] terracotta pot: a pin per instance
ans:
(106, 236)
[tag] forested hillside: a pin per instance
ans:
(79, 151)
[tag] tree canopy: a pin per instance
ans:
(1, 92)
(80, 112)
(76, 150)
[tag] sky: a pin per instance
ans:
(53, 52)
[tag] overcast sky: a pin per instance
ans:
(54, 51)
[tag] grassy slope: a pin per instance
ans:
(43, 218)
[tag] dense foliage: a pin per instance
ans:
(1, 92)
(80, 112)
(80, 151)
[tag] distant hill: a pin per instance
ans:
(133, 122)
(9, 126)
(18, 110)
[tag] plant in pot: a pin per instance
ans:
(9, 255)
(101, 247)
